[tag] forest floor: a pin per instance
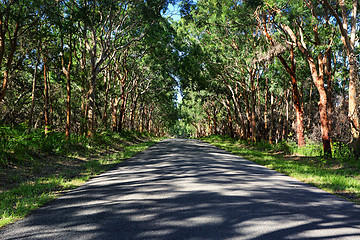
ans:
(337, 176)
(28, 184)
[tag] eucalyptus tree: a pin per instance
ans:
(278, 47)
(22, 36)
(308, 27)
(108, 27)
(64, 17)
(227, 35)
(140, 68)
(348, 25)
(17, 17)
(9, 33)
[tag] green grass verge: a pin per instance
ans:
(50, 177)
(333, 175)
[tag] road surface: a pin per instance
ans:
(187, 189)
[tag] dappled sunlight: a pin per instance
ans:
(187, 189)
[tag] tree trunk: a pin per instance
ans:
(349, 45)
(215, 119)
(91, 106)
(253, 114)
(30, 123)
(46, 99)
(238, 114)
(51, 112)
(5, 85)
(323, 104)
(231, 129)
(104, 119)
(114, 106)
(286, 125)
(84, 94)
(133, 111)
(13, 45)
(353, 109)
(122, 112)
(229, 123)
(271, 137)
(149, 126)
(68, 107)
(66, 71)
(266, 127)
(248, 115)
(210, 127)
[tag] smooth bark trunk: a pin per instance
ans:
(13, 45)
(348, 38)
(30, 124)
(46, 99)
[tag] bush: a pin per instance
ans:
(19, 146)
(341, 150)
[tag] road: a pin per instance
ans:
(187, 189)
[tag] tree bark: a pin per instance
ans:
(272, 103)
(214, 118)
(91, 105)
(133, 111)
(66, 72)
(323, 104)
(68, 105)
(46, 98)
(114, 106)
(30, 123)
(13, 45)
(253, 104)
(122, 113)
(266, 121)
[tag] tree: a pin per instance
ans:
(348, 36)
(278, 51)
(105, 33)
(16, 18)
(311, 37)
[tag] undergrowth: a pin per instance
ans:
(35, 169)
(18, 146)
(339, 175)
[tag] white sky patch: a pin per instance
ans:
(179, 95)
(173, 12)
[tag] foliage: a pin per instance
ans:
(254, 61)
(73, 64)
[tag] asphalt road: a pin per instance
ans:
(187, 189)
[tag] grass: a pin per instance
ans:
(34, 170)
(339, 175)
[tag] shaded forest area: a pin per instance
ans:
(81, 68)
(274, 71)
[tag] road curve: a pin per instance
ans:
(187, 189)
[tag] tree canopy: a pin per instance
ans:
(257, 70)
